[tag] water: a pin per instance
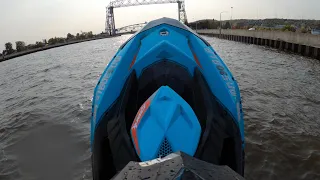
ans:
(46, 105)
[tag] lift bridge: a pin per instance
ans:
(110, 22)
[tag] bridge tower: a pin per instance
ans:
(110, 22)
(182, 12)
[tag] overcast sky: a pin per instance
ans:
(32, 20)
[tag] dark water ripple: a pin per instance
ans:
(46, 105)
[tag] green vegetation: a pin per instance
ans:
(56, 40)
(210, 24)
(21, 46)
(303, 30)
(205, 24)
(289, 28)
(8, 48)
(292, 25)
(39, 44)
(70, 37)
(227, 25)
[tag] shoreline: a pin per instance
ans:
(18, 54)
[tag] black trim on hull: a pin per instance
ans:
(112, 145)
(221, 136)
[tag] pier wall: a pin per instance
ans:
(299, 43)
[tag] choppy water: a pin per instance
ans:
(46, 104)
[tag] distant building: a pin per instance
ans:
(239, 25)
(279, 26)
(315, 31)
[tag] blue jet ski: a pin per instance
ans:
(166, 97)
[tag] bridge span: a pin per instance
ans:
(130, 28)
(110, 22)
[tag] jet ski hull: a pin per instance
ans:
(166, 53)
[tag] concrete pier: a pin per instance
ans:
(304, 44)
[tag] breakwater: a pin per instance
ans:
(299, 43)
(22, 53)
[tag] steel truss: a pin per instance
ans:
(110, 22)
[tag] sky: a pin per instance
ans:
(34, 20)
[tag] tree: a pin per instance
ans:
(60, 40)
(214, 24)
(56, 40)
(52, 41)
(78, 36)
(9, 49)
(39, 44)
(83, 35)
(227, 25)
(70, 36)
(20, 46)
(31, 46)
(90, 34)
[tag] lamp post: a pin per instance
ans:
(221, 22)
(231, 13)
